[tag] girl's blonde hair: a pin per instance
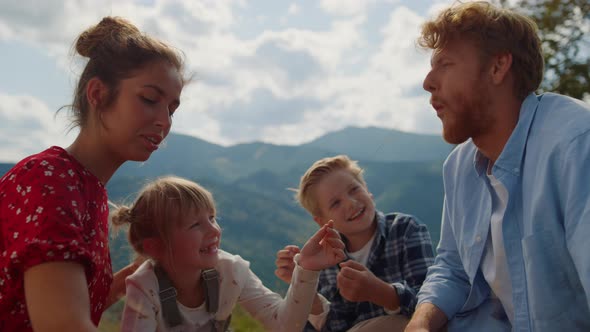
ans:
(159, 206)
(317, 172)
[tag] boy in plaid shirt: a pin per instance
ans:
(375, 289)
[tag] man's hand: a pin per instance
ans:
(427, 317)
(416, 329)
(285, 263)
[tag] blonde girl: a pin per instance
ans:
(173, 222)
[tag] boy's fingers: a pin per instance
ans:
(282, 274)
(292, 248)
(347, 273)
(285, 254)
(339, 255)
(284, 263)
(284, 271)
(353, 265)
(344, 281)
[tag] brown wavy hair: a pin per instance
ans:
(115, 49)
(494, 30)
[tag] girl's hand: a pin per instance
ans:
(324, 249)
(285, 264)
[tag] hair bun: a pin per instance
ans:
(121, 216)
(110, 32)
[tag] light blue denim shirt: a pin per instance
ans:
(545, 166)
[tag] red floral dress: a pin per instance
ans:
(51, 209)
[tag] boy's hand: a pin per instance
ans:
(285, 263)
(355, 282)
(323, 249)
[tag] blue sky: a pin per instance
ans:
(282, 72)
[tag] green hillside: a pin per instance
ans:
(379, 144)
(256, 209)
(192, 157)
(5, 167)
(182, 156)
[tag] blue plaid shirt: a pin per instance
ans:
(400, 255)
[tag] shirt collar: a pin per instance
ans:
(512, 154)
(380, 230)
(380, 218)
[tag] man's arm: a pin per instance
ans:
(427, 318)
(447, 285)
(575, 177)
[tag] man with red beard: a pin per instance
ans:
(513, 253)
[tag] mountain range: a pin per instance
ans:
(250, 183)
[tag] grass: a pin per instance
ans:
(241, 320)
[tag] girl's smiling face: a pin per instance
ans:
(194, 241)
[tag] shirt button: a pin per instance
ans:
(478, 239)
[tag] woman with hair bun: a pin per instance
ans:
(55, 267)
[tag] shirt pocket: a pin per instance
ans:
(547, 263)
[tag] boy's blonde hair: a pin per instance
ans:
(160, 206)
(317, 172)
(494, 30)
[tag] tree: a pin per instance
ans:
(564, 29)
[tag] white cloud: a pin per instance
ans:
(329, 71)
(386, 93)
(349, 7)
(293, 9)
(28, 126)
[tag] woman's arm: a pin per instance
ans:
(118, 286)
(57, 297)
